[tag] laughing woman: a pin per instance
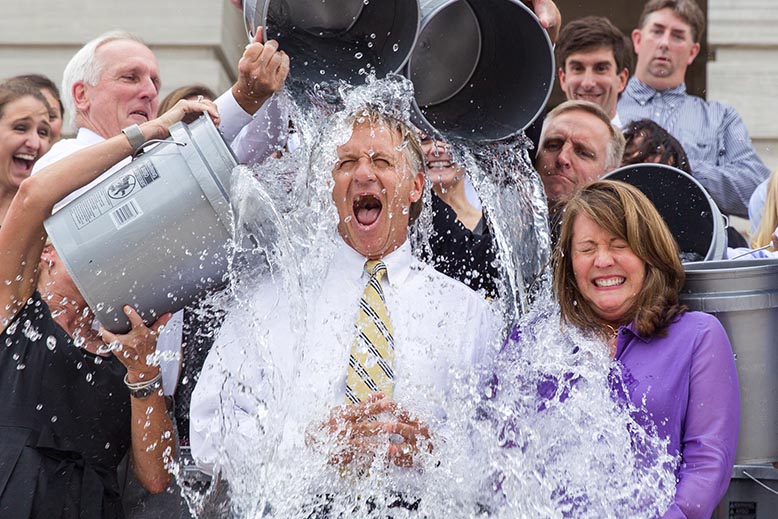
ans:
(71, 409)
(25, 135)
(617, 275)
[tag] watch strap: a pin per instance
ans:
(135, 136)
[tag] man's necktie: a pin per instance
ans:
(372, 355)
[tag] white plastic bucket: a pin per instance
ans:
(154, 235)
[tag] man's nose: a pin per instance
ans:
(149, 88)
(564, 156)
(587, 81)
(364, 171)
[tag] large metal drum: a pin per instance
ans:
(743, 295)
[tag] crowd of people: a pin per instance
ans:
(79, 399)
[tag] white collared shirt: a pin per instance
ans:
(277, 361)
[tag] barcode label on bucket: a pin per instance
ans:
(126, 213)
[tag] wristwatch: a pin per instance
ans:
(135, 136)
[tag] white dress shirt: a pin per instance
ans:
(270, 365)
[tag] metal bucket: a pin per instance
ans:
(743, 295)
(337, 39)
(688, 210)
(481, 69)
(154, 234)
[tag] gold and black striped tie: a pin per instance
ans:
(372, 355)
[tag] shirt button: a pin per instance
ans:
(659, 94)
(657, 114)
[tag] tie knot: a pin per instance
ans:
(375, 268)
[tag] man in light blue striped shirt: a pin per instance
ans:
(713, 134)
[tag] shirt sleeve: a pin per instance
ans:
(710, 433)
(233, 117)
(737, 171)
(756, 206)
(265, 133)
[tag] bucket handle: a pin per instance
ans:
(760, 483)
(726, 221)
(155, 141)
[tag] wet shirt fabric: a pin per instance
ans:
(690, 385)
(269, 363)
(64, 423)
(712, 134)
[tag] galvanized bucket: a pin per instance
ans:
(688, 210)
(481, 69)
(743, 295)
(155, 234)
(330, 40)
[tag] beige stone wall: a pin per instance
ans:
(743, 35)
(194, 41)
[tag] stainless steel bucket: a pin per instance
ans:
(338, 39)
(743, 295)
(481, 69)
(688, 210)
(154, 234)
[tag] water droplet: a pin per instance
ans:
(107, 445)
(395, 47)
(89, 377)
(39, 407)
(51, 342)
(53, 418)
(358, 55)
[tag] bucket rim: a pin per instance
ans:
(429, 128)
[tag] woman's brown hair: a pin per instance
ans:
(625, 212)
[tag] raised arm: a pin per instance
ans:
(22, 235)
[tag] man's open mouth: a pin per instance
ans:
(367, 208)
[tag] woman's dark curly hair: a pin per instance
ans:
(623, 211)
(649, 142)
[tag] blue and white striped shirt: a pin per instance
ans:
(712, 134)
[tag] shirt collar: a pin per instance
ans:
(88, 136)
(643, 93)
(398, 264)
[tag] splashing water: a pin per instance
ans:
(539, 431)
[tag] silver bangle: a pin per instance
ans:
(145, 388)
(135, 136)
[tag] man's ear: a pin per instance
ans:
(561, 74)
(636, 35)
(694, 52)
(418, 187)
(80, 98)
(623, 78)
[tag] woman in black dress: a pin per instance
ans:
(71, 409)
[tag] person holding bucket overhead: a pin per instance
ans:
(617, 276)
(74, 401)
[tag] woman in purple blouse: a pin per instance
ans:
(617, 274)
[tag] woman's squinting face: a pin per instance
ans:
(608, 273)
(25, 135)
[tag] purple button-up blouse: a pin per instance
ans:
(690, 384)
